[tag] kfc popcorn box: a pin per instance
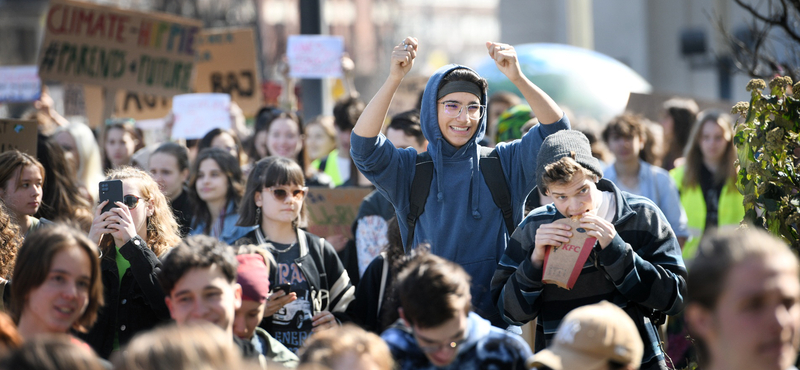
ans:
(563, 264)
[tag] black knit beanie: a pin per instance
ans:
(562, 144)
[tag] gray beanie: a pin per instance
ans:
(562, 144)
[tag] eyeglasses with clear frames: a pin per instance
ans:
(453, 109)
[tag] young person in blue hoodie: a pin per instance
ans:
(461, 220)
(436, 329)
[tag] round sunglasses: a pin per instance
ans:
(281, 193)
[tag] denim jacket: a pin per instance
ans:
(230, 232)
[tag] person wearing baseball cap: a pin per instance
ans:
(635, 262)
(253, 275)
(594, 337)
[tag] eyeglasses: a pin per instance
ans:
(130, 201)
(438, 347)
(453, 109)
(281, 193)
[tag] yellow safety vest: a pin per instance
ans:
(731, 209)
(331, 167)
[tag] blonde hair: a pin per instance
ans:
(328, 347)
(90, 164)
(196, 346)
(162, 229)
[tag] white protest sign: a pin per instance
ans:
(197, 114)
(315, 56)
(19, 84)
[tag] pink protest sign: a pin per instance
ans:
(315, 56)
(197, 114)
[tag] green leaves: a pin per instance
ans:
(768, 144)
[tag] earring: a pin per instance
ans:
(258, 216)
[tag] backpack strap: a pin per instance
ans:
(384, 278)
(420, 188)
(492, 171)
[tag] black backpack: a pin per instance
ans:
(492, 174)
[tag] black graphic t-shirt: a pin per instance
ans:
(292, 323)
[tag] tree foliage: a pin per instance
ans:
(768, 144)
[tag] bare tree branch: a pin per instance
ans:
(766, 53)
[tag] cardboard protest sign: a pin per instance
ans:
(227, 63)
(563, 264)
(332, 211)
(19, 135)
(197, 114)
(128, 104)
(118, 49)
(19, 84)
(315, 56)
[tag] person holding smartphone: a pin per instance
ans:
(132, 233)
(320, 286)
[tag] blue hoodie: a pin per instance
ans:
(461, 222)
(485, 347)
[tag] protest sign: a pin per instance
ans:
(332, 211)
(227, 63)
(563, 264)
(19, 135)
(315, 56)
(197, 114)
(118, 49)
(19, 84)
(128, 104)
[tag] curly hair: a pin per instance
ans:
(162, 229)
(9, 242)
(630, 125)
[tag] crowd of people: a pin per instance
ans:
(205, 262)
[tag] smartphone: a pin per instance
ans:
(286, 288)
(110, 190)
